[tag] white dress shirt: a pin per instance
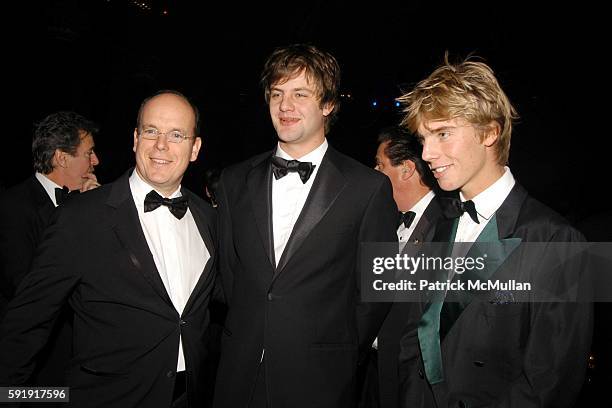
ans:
(48, 185)
(177, 247)
(289, 195)
(403, 233)
(486, 203)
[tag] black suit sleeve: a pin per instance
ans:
(378, 225)
(37, 303)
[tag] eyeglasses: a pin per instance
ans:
(172, 136)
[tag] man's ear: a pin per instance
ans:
(135, 140)
(408, 169)
(327, 108)
(59, 158)
(491, 133)
(195, 149)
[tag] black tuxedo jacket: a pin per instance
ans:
(515, 354)
(25, 210)
(126, 331)
(306, 313)
(400, 325)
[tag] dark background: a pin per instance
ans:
(102, 57)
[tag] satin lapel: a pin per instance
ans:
(424, 230)
(497, 249)
(418, 235)
(203, 224)
(492, 248)
(507, 214)
(326, 188)
(129, 233)
(429, 325)
(498, 232)
(259, 182)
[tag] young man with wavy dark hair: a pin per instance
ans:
(292, 220)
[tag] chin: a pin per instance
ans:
(284, 137)
(448, 186)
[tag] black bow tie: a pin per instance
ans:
(405, 218)
(280, 168)
(177, 206)
(61, 194)
(454, 207)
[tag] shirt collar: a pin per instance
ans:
(141, 188)
(488, 201)
(48, 185)
(315, 157)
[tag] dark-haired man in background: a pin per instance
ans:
(64, 159)
(415, 192)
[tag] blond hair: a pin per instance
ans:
(468, 90)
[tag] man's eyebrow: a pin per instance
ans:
(437, 129)
(273, 88)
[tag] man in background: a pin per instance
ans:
(419, 209)
(64, 160)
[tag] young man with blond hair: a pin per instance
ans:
(489, 352)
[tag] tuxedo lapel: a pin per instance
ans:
(203, 225)
(493, 248)
(507, 214)
(129, 232)
(429, 325)
(325, 190)
(204, 228)
(424, 229)
(259, 182)
(421, 229)
(490, 246)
